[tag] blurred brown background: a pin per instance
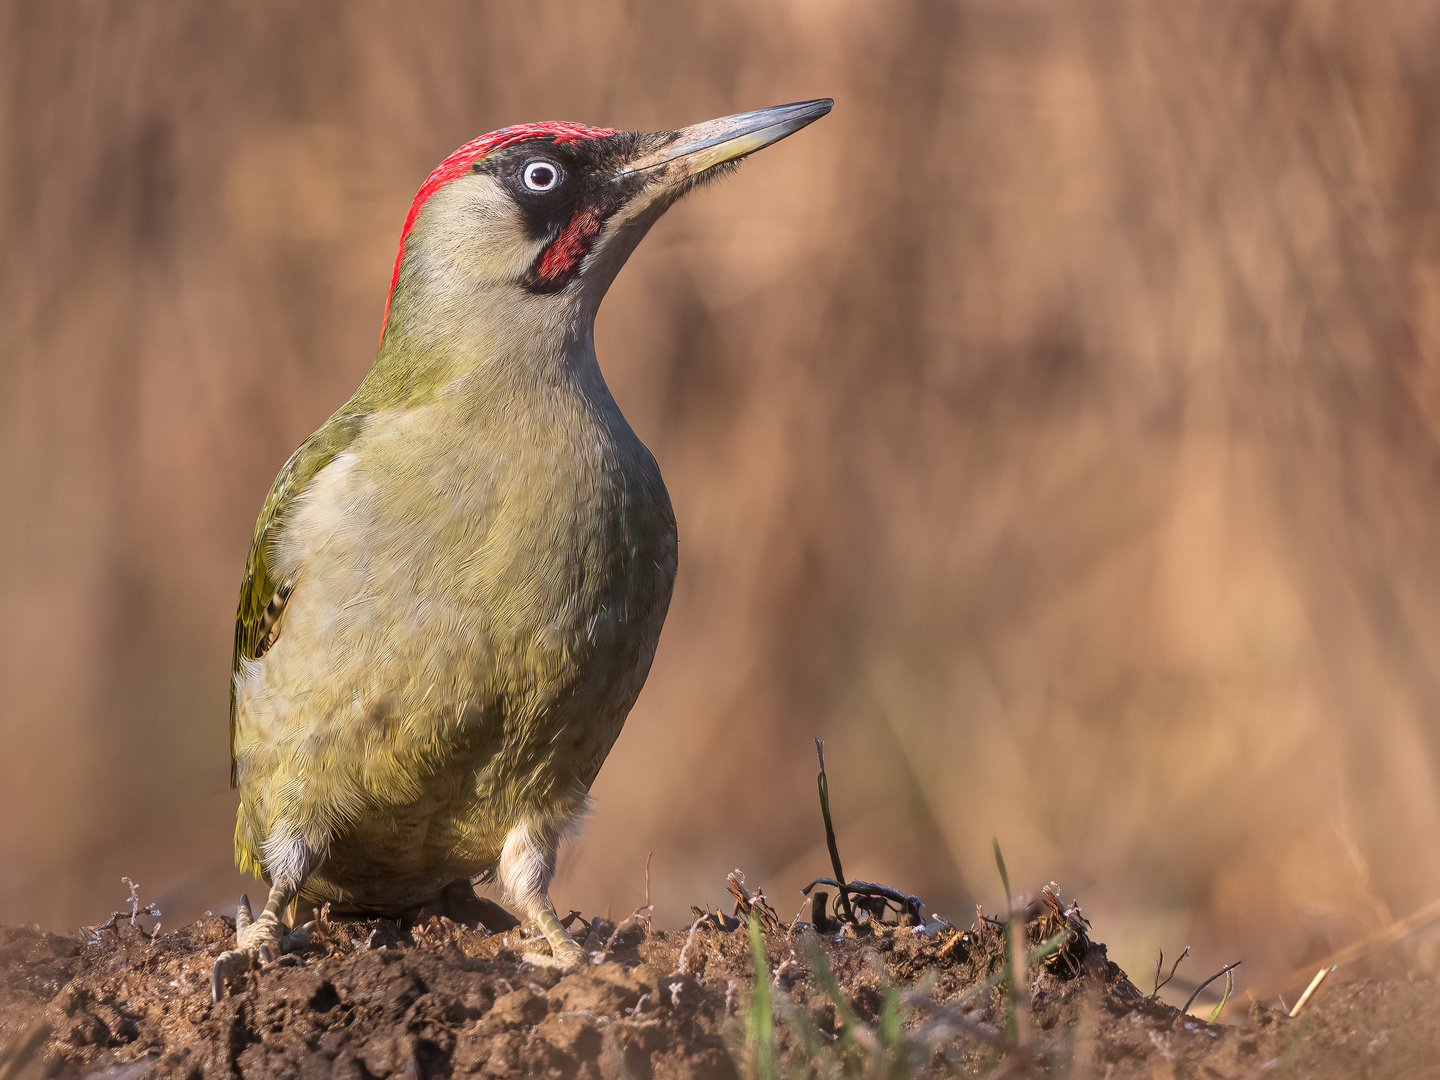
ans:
(1054, 428)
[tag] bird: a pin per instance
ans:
(456, 585)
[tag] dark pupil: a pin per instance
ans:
(540, 176)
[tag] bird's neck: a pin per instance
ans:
(492, 343)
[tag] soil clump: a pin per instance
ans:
(443, 1000)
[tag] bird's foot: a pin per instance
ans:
(258, 941)
(565, 951)
(546, 960)
(562, 959)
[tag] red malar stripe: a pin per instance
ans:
(562, 257)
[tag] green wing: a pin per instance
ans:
(262, 597)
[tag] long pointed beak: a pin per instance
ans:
(694, 149)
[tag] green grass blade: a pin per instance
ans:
(1012, 995)
(849, 1022)
(1229, 989)
(760, 1022)
(1004, 877)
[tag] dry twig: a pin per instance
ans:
(1314, 985)
(1160, 963)
(113, 923)
(747, 903)
(880, 898)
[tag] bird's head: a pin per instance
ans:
(529, 225)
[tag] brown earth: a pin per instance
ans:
(439, 999)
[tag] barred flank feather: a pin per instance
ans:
(270, 621)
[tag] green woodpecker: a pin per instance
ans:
(456, 585)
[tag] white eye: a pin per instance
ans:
(541, 175)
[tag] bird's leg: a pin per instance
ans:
(260, 940)
(527, 864)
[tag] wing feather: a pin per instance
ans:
(262, 597)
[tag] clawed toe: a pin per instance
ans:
(568, 953)
(229, 966)
(259, 941)
(564, 949)
(565, 953)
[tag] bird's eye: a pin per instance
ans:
(541, 175)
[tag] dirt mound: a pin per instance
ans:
(439, 999)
